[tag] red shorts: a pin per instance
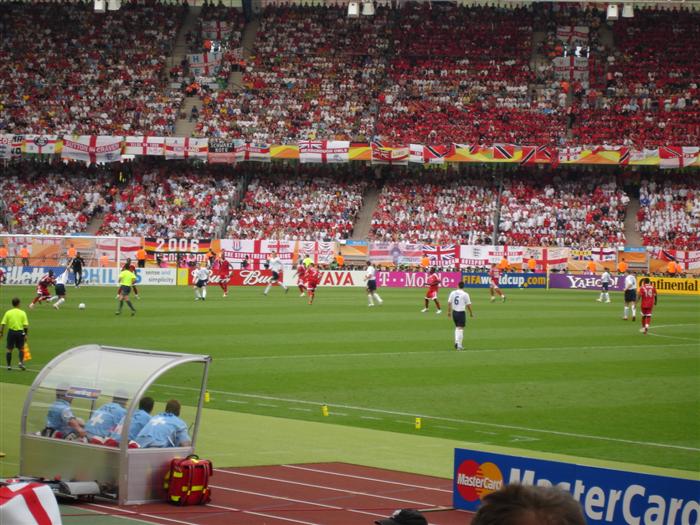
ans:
(432, 294)
(494, 283)
(647, 311)
(44, 292)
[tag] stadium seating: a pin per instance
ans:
(314, 74)
(172, 200)
(651, 96)
(571, 209)
(50, 198)
(434, 208)
(65, 69)
(310, 205)
(669, 215)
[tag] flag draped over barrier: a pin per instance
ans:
(102, 149)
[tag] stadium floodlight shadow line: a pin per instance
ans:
(451, 419)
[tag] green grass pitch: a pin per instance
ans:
(551, 371)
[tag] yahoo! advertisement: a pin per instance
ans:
(607, 496)
(584, 282)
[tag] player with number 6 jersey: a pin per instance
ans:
(457, 304)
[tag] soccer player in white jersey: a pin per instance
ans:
(275, 264)
(605, 282)
(630, 296)
(60, 288)
(201, 277)
(371, 280)
(457, 303)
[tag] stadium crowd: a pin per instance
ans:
(65, 69)
(52, 199)
(570, 209)
(437, 209)
(310, 205)
(172, 200)
(651, 96)
(669, 213)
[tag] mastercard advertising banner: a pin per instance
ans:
(613, 497)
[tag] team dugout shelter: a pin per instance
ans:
(92, 375)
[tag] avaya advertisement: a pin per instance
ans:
(607, 496)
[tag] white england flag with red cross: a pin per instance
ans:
(40, 144)
(92, 149)
(186, 148)
(144, 145)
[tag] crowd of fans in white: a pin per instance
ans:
(172, 201)
(573, 209)
(669, 215)
(175, 199)
(436, 209)
(311, 205)
(65, 69)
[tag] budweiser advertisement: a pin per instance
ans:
(239, 278)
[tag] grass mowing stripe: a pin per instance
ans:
(448, 419)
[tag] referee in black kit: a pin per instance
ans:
(17, 327)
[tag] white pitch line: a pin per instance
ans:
(454, 420)
(237, 401)
(300, 409)
(365, 478)
(267, 405)
(323, 487)
(671, 325)
(697, 341)
(371, 417)
(445, 427)
(431, 352)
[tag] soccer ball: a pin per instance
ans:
(81, 306)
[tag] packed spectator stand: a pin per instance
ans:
(436, 209)
(669, 214)
(172, 200)
(65, 69)
(309, 204)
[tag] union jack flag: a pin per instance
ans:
(445, 255)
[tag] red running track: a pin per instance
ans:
(308, 494)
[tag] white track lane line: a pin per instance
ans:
(365, 478)
(293, 500)
(323, 487)
(140, 514)
(453, 420)
(254, 513)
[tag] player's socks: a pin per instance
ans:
(267, 288)
(8, 358)
(121, 306)
(627, 311)
(379, 299)
(369, 300)
(59, 302)
(52, 298)
(634, 312)
(204, 293)
(131, 306)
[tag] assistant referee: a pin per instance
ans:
(17, 328)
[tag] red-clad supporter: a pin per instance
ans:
(65, 69)
(669, 213)
(310, 205)
(172, 200)
(576, 209)
(435, 208)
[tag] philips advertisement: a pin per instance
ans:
(30, 275)
(607, 496)
(507, 280)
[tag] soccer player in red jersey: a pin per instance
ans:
(433, 284)
(647, 295)
(224, 272)
(42, 288)
(494, 276)
(312, 277)
(301, 276)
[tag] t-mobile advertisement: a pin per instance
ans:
(416, 279)
(584, 282)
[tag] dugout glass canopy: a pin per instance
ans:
(91, 375)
